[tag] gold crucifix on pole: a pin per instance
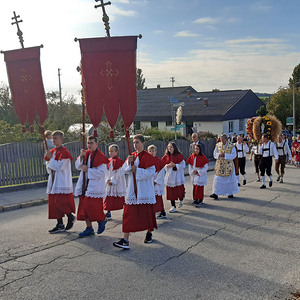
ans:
(19, 33)
(105, 17)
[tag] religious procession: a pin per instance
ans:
(136, 186)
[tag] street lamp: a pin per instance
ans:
(294, 111)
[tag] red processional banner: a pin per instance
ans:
(26, 84)
(108, 68)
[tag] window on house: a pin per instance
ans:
(168, 123)
(154, 124)
(241, 124)
(230, 126)
(137, 125)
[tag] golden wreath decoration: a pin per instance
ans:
(268, 124)
(249, 127)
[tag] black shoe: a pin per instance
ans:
(71, 221)
(58, 228)
(278, 178)
(230, 196)
(244, 182)
(258, 179)
(214, 196)
(281, 180)
(270, 183)
(148, 238)
(263, 187)
(161, 216)
(239, 184)
(122, 244)
(196, 202)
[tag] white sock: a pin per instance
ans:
(238, 178)
(263, 179)
(244, 176)
(270, 178)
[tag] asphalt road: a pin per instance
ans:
(241, 248)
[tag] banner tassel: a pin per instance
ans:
(111, 134)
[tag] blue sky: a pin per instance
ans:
(229, 44)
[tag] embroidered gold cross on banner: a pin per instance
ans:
(109, 73)
(25, 78)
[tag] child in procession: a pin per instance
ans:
(60, 186)
(91, 189)
(174, 179)
(115, 182)
(159, 184)
(138, 212)
(198, 166)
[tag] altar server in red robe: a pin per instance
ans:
(60, 187)
(174, 179)
(93, 191)
(159, 183)
(139, 212)
(115, 182)
(198, 166)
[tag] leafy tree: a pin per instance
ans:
(7, 112)
(140, 81)
(281, 105)
(13, 133)
(62, 116)
(296, 76)
(262, 111)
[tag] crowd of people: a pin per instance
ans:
(102, 188)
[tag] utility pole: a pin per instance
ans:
(172, 80)
(59, 86)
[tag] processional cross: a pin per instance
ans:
(105, 17)
(19, 33)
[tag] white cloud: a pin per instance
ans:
(234, 20)
(254, 40)
(207, 20)
(261, 7)
(208, 69)
(185, 33)
(122, 12)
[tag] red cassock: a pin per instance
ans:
(178, 191)
(201, 161)
(89, 207)
(60, 198)
(159, 205)
(115, 202)
(139, 217)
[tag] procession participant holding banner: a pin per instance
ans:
(60, 186)
(91, 197)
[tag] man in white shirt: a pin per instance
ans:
(283, 150)
(267, 150)
(242, 150)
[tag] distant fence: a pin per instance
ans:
(24, 162)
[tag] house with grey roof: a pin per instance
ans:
(215, 111)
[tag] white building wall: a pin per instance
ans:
(145, 124)
(213, 127)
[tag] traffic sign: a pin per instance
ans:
(178, 127)
(289, 121)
